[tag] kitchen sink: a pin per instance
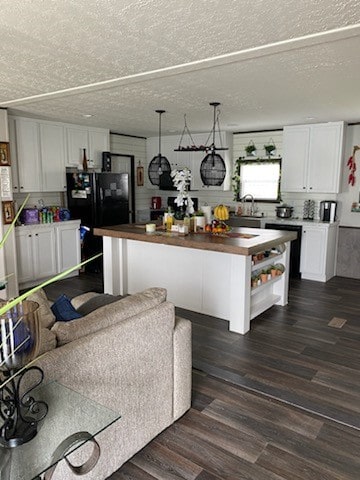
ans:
(244, 221)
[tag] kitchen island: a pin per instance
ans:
(205, 273)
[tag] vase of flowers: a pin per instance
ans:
(181, 180)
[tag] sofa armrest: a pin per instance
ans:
(182, 366)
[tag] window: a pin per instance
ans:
(260, 178)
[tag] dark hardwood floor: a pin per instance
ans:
(280, 403)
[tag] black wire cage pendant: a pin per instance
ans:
(213, 168)
(159, 164)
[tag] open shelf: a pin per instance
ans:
(259, 307)
(266, 261)
(263, 286)
(199, 149)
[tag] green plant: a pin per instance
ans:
(250, 149)
(269, 149)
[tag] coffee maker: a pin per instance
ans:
(328, 211)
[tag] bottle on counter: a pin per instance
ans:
(85, 162)
(169, 221)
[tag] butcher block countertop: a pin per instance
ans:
(239, 241)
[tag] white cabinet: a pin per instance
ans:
(13, 156)
(41, 150)
(28, 155)
(76, 140)
(95, 141)
(52, 149)
(45, 250)
(68, 246)
(36, 256)
(318, 251)
(99, 141)
(312, 158)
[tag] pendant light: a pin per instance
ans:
(213, 169)
(159, 164)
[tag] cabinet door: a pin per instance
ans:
(295, 158)
(44, 252)
(24, 255)
(313, 251)
(325, 158)
(52, 143)
(68, 246)
(28, 155)
(13, 156)
(99, 142)
(77, 140)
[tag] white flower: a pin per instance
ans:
(181, 180)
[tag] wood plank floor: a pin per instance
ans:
(280, 403)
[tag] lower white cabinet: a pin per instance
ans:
(44, 250)
(35, 253)
(318, 251)
(68, 246)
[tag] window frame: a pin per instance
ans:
(237, 177)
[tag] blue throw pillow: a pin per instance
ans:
(63, 309)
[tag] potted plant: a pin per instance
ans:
(273, 271)
(250, 149)
(181, 180)
(264, 276)
(269, 148)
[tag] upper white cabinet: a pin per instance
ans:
(99, 141)
(94, 140)
(76, 141)
(312, 158)
(52, 150)
(41, 151)
(28, 155)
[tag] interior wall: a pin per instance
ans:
(137, 146)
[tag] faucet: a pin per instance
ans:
(252, 208)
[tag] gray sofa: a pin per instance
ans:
(132, 356)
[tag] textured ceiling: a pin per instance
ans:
(269, 63)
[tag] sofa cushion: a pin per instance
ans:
(97, 302)
(47, 341)
(63, 309)
(46, 316)
(83, 298)
(46, 320)
(108, 315)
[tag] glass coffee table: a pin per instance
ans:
(71, 421)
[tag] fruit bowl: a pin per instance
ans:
(218, 227)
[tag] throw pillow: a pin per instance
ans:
(63, 309)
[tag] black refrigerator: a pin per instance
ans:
(98, 200)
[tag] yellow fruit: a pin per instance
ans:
(221, 212)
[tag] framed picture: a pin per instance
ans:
(8, 212)
(4, 154)
(140, 176)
